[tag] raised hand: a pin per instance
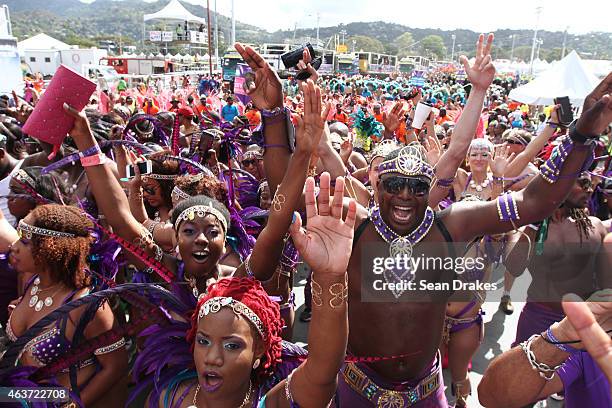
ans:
(391, 120)
(500, 161)
(311, 124)
(266, 91)
(480, 74)
(597, 109)
(81, 128)
(433, 148)
(326, 243)
(588, 321)
(304, 64)
(346, 148)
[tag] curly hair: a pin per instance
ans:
(252, 294)
(66, 258)
(203, 185)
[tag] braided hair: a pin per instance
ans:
(583, 222)
(65, 258)
(252, 294)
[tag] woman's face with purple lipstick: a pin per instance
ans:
(225, 350)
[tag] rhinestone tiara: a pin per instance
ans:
(24, 177)
(161, 176)
(27, 230)
(213, 305)
(201, 211)
(179, 194)
(409, 162)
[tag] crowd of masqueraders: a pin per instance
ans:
(170, 284)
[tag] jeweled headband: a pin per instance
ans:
(27, 230)
(24, 177)
(161, 176)
(213, 305)
(409, 162)
(178, 194)
(200, 211)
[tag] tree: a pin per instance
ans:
(74, 39)
(523, 53)
(404, 44)
(367, 44)
(391, 49)
(433, 44)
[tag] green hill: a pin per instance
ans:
(87, 24)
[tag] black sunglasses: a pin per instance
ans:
(396, 184)
(149, 190)
(513, 142)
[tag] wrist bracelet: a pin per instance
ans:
(575, 135)
(550, 338)
(553, 124)
(271, 113)
(95, 149)
(544, 370)
(94, 160)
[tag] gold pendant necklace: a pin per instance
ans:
(245, 402)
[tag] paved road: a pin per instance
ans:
(500, 331)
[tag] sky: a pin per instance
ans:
(578, 17)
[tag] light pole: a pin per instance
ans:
(209, 38)
(512, 49)
(535, 38)
(564, 40)
(318, 17)
(453, 49)
(217, 40)
(233, 24)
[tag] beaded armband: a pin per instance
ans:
(507, 209)
(247, 267)
(110, 348)
(551, 170)
(278, 115)
(445, 182)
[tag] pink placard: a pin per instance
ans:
(49, 122)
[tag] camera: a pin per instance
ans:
(145, 167)
(292, 58)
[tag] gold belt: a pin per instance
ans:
(384, 398)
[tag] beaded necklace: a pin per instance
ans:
(401, 245)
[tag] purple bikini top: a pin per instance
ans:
(49, 345)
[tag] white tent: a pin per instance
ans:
(174, 11)
(568, 77)
(42, 42)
